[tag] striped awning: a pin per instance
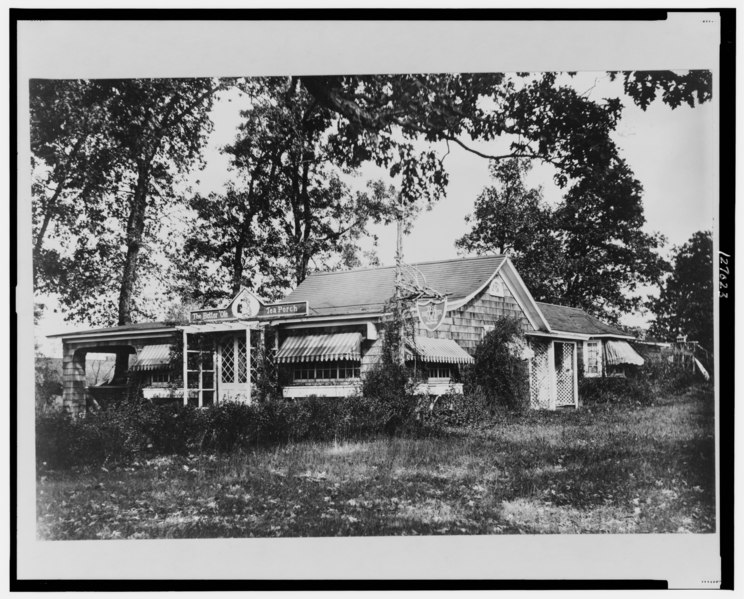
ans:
(620, 352)
(309, 348)
(152, 357)
(438, 350)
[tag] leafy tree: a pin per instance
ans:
(685, 304)
(381, 116)
(587, 252)
(232, 241)
(607, 254)
(512, 218)
(97, 201)
(112, 150)
(71, 156)
(291, 210)
(676, 88)
(321, 214)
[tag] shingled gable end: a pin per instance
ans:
(328, 337)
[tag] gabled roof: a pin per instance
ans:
(575, 320)
(365, 291)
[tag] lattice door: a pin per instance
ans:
(233, 369)
(227, 362)
(241, 356)
(256, 340)
(539, 375)
(564, 373)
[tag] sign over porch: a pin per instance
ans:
(246, 306)
(431, 312)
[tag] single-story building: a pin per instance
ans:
(325, 335)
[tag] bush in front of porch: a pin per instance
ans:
(499, 372)
(138, 428)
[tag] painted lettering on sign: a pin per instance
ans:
(431, 312)
(272, 311)
(204, 315)
(246, 306)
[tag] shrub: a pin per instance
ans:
(173, 429)
(615, 390)
(498, 372)
(668, 377)
(456, 409)
(63, 440)
(135, 428)
(48, 381)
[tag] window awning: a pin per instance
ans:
(620, 352)
(438, 350)
(309, 348)
(153, 357)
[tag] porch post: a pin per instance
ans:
(185, 368)
(552, 381)
(248, 361)
(576, 374)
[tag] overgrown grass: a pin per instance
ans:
(604, 469)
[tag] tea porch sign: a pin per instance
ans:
(431, 312)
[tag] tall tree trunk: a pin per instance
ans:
(237, 275)
(307, 218)
(245, 236)
(135, 232)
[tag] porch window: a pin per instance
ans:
(592, 363)
(438, 372)
(325, 372)
(200, 377)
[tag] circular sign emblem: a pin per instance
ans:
(245, 306)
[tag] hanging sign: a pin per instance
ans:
(282, 310)
(431, 312)
(246, 306)
(243, 305)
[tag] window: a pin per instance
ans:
(158, 379)
(325, 372)
(200, 377)
(436, 371)
(592, 363)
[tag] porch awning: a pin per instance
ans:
(309, 348)
(620, 352)
(152, 357)
(438, 350)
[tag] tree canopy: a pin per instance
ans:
(111, 151)
(589, 251)
(107, 155)
(685, 304)
(290, 211)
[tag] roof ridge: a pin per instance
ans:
(364, 268)
(562, 306)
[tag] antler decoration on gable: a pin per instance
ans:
(413, 285)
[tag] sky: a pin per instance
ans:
(671, 152)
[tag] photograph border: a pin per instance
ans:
(726, 241)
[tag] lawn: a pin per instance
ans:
(599, 470)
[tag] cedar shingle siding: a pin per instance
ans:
(466, 324)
